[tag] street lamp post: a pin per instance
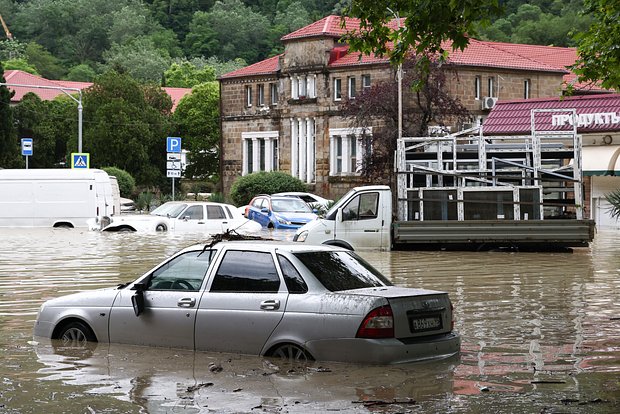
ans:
(78, 100)
(399, 78)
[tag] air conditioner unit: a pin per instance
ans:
(488, 102)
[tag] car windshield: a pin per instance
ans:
(291, 205)
(169, 210)
(342, 270)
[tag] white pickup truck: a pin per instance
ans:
(363, 219)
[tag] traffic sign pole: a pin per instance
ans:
(173, 159)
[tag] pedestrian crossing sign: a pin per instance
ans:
(80, 160)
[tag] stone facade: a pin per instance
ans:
(302, 132)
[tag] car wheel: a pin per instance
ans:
(270, 226)
(291, 352)
(161, 227)
(76, 333)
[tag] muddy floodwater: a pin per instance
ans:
(541, 334)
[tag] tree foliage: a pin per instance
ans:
(8, 143)
(599, 46)
(197, 117)
(421, 26)
(126, 183)
(246, 187)
(378, 105)
(127, 126)
(186, 75)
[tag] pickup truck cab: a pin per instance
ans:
(361, 219)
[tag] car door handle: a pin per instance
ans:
(186, 303)
(270, 304)
(201, 222)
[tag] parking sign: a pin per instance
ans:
(173, 144)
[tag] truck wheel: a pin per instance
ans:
(161, 227)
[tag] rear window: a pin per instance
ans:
(342, 270)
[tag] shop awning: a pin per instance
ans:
(601, 160)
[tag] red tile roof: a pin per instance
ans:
(34, 82)
(478, 53)
(264, 67)
(596, 113)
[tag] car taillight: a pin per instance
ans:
(379, 323)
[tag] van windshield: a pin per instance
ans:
(169, 210)
(342, 270)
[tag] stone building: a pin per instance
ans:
(284, 113)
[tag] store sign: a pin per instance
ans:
(587, 120)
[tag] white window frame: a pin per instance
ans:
(261, 94)
(366, 81)
(248, 96)
(527, 88)
(477, 88)
(346, 148)
(337, 89)
(259, 151)
(273, 93)
(491, 86)
(352, 87)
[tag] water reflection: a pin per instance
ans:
(540, 334)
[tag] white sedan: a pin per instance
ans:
(186, 216)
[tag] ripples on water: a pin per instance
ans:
(540, 332)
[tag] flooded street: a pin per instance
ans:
(540, 332)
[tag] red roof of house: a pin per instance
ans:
(595, 113)
(264, 67)
(35, 83)
(478, 53)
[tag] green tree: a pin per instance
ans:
(230, 30)
(186, 75)
(246, 187)
(127, 126)
(81, 73)
(139, 58)
(599, 46)
(8, 141)
(126, 183)
(197, 117)
(20, 64)
(46, 64)
(31, 114)
(424, 26)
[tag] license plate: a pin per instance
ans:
(427, 323)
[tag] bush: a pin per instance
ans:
(126, 183)
(246, 187)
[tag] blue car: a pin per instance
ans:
(279, 212)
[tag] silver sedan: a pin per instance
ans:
(279, 299)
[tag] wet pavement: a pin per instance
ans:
(541, 334)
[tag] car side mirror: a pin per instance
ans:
(339, 215)
(137, 300)
(315, 210)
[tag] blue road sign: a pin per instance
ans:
(173, 144)
(27, 147)
(80, 160)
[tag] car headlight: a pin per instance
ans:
(283, 221)
(301, 237)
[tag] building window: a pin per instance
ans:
(346, 148)
(352, 91)
(303, 149)
(477, 87)
(526, 89)
(261, 95)
(311, 86)
(491, 85)
(273, 91)
(248, 95)
(337, 89)
(259, 151)
(303, 87)
(365, 81)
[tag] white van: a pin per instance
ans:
(55, 198)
